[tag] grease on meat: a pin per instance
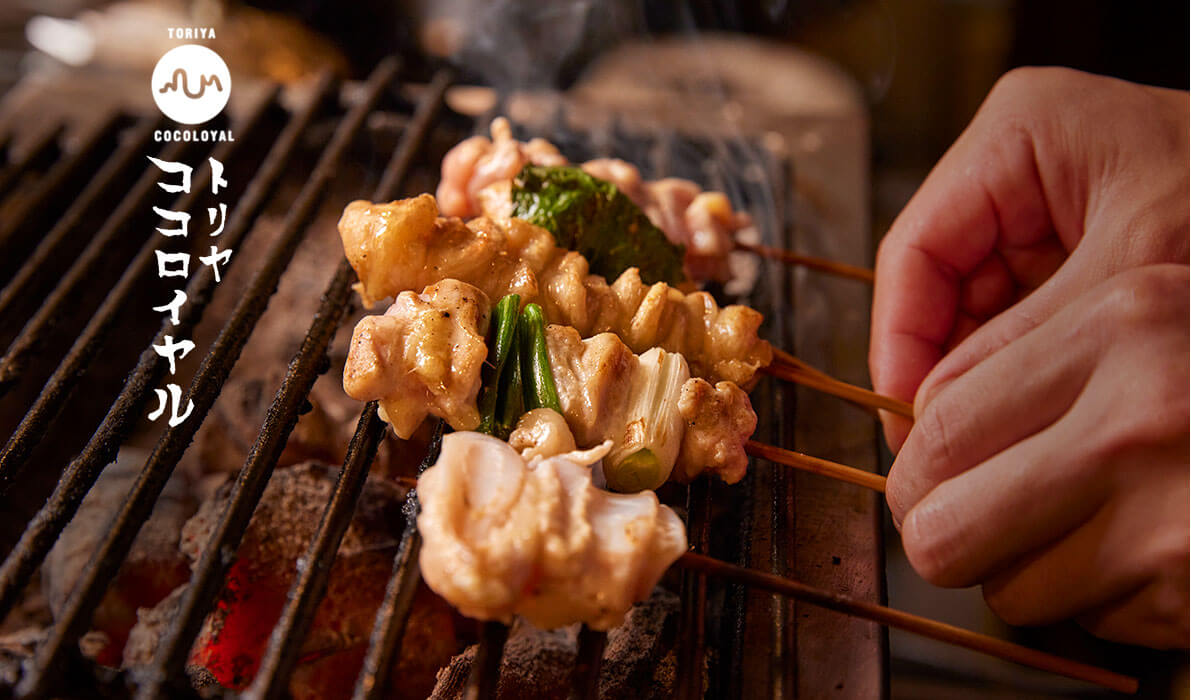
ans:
(505, 537)
(419, 248)
(424, 355)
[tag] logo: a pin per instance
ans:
(191, 84)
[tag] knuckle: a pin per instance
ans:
(1015, 82)
(1033, 82)
(1145, 296)
(933, 439)
(929, 546)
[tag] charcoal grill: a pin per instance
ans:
(72, 268)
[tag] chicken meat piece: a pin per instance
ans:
(504, 537)
(423, 356)
(478, 162)
(404, 245)
(719, 421)
(594, 376)
(542, 433)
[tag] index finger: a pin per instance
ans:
(941, 254)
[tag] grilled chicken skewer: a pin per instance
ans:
(425, 356)
(476, 177)
(404, 245)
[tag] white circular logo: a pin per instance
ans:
(191, 84)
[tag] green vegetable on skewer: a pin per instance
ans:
(500, 343)
(510, 403)
(540, 390)
(645, 451)
(591, 216)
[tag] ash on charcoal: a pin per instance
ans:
(15, 649)
(150, 629)
(234, 636)
(539, 663)
(152, 569)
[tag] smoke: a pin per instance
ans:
(529, 44)
(727, 111)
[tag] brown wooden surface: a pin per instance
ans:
(838, 527)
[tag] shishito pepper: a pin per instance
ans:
(501, 337)
(538, 378)
(517, 374)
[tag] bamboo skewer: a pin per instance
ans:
(880, 614)
(797, 460)
(815, 465)
(898, 619)
(891, 617)
(829, 266)
(791, 369)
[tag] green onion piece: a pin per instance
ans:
(540, 390)
(500, 341)
(645, 448)
(510, 405)
(639, 471)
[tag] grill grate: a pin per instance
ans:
(23, 285)
(58, 666)
(44, 150)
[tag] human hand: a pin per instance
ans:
(1054, 471)
(1062, 180)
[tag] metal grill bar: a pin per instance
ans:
(133, 147)
(34, 209)
(283, 415)
(385, 642)
(585, 680)
(692, 625)
(308, 590)
(81, 473)
(45, 149)
(484, 678)
(73, 283)
(310, 586)
(35, 423)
